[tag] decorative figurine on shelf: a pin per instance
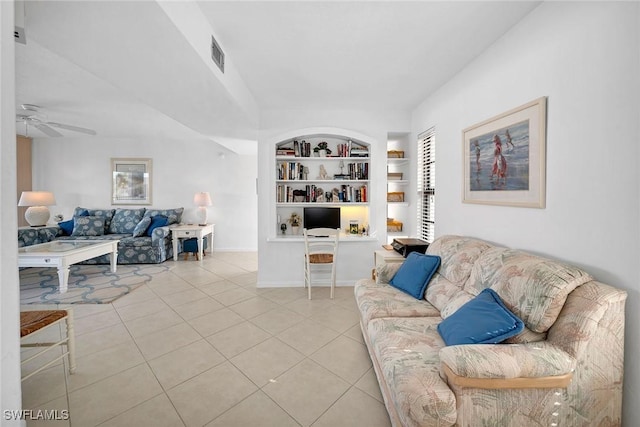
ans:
(283, 228)
(335, 197)
(320, 195)
(341, 165)
(323, 173)
(305, 173)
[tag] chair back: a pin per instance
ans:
(321, 244)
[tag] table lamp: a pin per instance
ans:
(202, 200)
(37, 214)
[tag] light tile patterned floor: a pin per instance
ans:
(200, 345)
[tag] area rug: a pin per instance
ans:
(88, 284)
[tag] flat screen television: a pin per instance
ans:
(317, 217)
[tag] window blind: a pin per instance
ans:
(426, 185)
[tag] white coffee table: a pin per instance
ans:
(64, 253)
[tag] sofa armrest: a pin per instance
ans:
(384, 272)
(160, 233)
(28, 236)
(531, 365)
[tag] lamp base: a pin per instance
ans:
(37, 216)
(202, 213)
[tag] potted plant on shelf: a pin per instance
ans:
(322, 150)
(294, 220)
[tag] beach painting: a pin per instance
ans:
(500, 159)
(504, 158)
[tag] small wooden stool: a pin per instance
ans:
(191, 246)
(34, 321)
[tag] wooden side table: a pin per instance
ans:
(192, 230)
(383, 256)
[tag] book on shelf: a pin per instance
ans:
(286, 193)
(290, 170)
(352, 149)
(285, 152)
(358, 170)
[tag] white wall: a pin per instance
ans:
(585, 57)
(78, 171)
(10, 388)
(280, 264)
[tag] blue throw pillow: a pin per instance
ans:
(157, 221)
(414, 274)
(67, 226)
(483, 320)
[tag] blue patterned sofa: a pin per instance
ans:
(144, 234)
(563, 367)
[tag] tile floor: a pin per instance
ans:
(200, 345)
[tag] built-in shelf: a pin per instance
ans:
(397, 161)
(304, 178)
(398, 167)
(293, 204)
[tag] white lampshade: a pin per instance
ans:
(38, 214)
(202, 200)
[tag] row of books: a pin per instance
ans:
(303, 149)
(358, 170)
(313, 194)
(290, 170)
(297, 171)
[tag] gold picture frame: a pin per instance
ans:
(130, 181)
(504, 158)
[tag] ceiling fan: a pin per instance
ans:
(31, 116)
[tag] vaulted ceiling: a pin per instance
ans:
(143, 68)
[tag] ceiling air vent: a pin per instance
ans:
(18, 34)
(217, 54)
(18, 31)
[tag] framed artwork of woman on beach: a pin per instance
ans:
(504, 158)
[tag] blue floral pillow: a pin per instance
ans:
(142, 226)
(106, 214)
(88, 226)
(125, 220)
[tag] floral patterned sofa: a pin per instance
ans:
(144, 234)
(564, 369)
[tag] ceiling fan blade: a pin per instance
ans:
(73, 128)
(47, 130)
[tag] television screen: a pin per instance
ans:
(317, 217)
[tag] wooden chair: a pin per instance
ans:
(320, 252)
(32, 322)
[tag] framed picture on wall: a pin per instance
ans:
(130, 181)
(504, 158)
